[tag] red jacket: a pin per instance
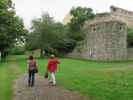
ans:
(52, 65)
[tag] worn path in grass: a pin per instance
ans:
(42, 91)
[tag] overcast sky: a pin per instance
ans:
(29, 9)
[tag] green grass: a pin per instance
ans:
(8, 73)
(97, 80)
(5, 81)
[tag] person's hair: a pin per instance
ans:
(31, 57)
(52, 56)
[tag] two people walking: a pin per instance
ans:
(33, 68)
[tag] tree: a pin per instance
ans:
(11, 26)
(79, 16)
(46, 33)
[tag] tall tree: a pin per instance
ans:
(11, 26)
(79, 16)
(46, 33)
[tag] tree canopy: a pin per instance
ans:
(11, 26)
(79, 16)
(49, 34)
(46, 33)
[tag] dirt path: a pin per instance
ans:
(42, 91)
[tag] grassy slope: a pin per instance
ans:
(8, 73)
(5, 81)
(98, 80)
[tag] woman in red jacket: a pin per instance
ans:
(52, 67)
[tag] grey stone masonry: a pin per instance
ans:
(106, 36)
(105, 40)
(123, 15)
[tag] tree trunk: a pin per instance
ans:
(3, 55)
(41, 53)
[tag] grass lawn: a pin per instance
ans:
(97, 80)
(8, 73)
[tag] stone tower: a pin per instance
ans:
(106, 36)
(105, 40)
(123, 15)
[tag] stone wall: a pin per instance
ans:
(105, 40)
(106, 36)
(116, 14)
(123, 15)
(130, 53)
(121, 11)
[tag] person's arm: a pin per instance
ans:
(27, 65)
(48, 65)
(36, 64)
(58, 62)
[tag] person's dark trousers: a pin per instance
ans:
(31, 78)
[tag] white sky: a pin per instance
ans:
(30, 9)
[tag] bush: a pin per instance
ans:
(17, 51)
